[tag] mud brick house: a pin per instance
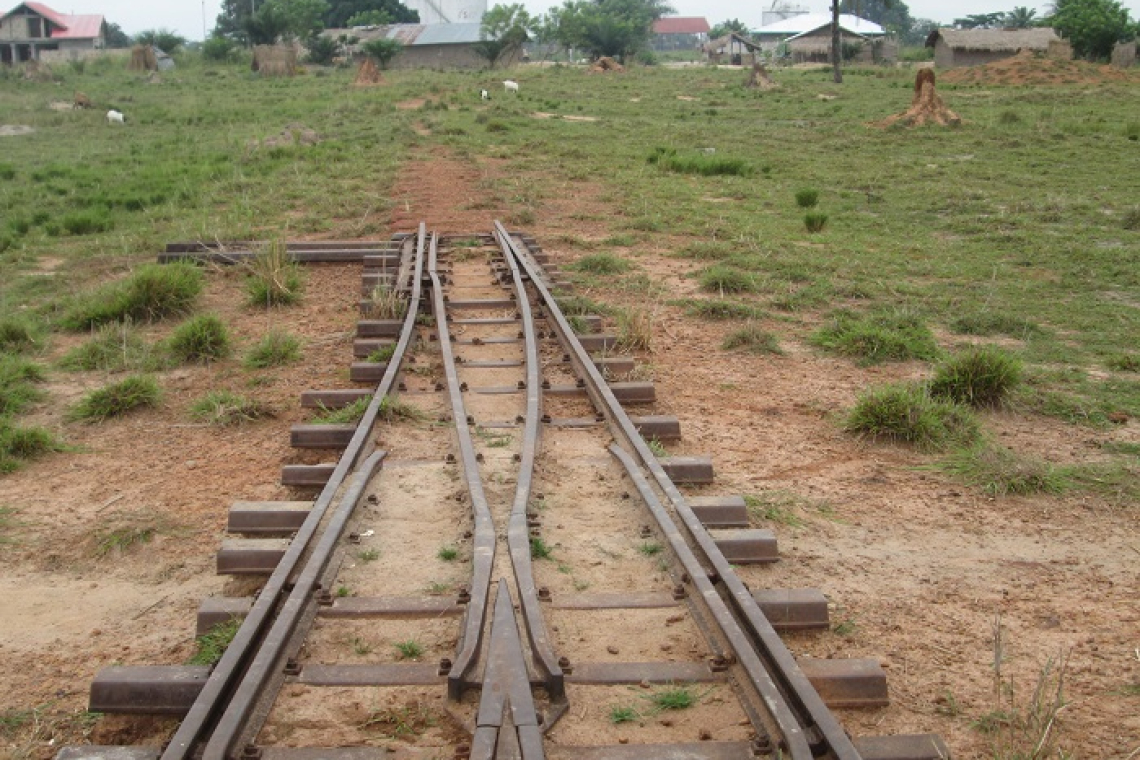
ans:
(680, 33)
(973, 47)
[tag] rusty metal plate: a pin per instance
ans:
(273, 517)
(598, 341)
(847, 682)
(649, 600)
(402, 607)
(147, 689)
(619, 673)
(411, 674)
(791, 609)
(663, 427)
(685, 751)
(720, 511)
(695, 470)
(902, 747)
(97, 752)
(250, 556)
(333, 399)
(215, 610)
(379, 328)
(367, 372)
(306, 475)
(335, 436)
(747, 546)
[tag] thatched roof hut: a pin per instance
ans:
(973, 47)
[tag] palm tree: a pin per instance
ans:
(1021, 17)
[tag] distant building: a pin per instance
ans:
(448, 11)
(808, 26)
(33, 32)
(973, 47)
(426, 46)
(732, 49)
(680, 33)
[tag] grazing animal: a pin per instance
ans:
(114, 116)
(484, 95)
(81, 100)
(510, 85)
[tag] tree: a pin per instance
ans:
(893, 16)
(503, 32)
(264, 27)
(344, 13)
(163, 39)
(980, 21)
(727, 26)
(232, 20)
(115, 36)
(615, 28)
(1092, 26)
(382, 50)
(1021, 17)
(303, 18)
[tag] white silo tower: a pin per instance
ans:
(449, 11)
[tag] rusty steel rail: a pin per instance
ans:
(793, 713)
(220, 711)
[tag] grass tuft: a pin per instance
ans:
(212, 644)
(410, 649)
(600, 263)
(276, 348)
(815, 221)
(702, 164)
(979, 376)
(274, 279)
(117, 399)
(447, 553)
(386, 303)
(721, 309)
(224, 408)
(752, 339)
(21, 444)
(121, 540)
(348, 413)
(539, 549)
(581, 306)
(115, 346)
(908, 413)
(620, 714)
(634, 330)
(878, 337)
(18, 377)
(722, 279)
(1000, 472)
(18, 334)
(152, 292)
(989, 323)
(1123, 363)
(200, 339)
(807, 198)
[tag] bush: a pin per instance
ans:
(274, 279)
(200, 339)
(117, 399)
(874, 338)
(152, 292)
(219, 49)
(980, 376)
(815, 222)
(723, 279)
(225, 408)
(17, 384)
(752, 339)
(807, 198)
(322, 50)
(19, 334)
(909, 414)
(273, 350)
(382, 50)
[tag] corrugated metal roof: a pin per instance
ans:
(85, 27)
(681, 25)
(813, 31)
(448, 34)
(809, 22)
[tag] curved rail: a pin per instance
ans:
(225, 702)
(793, 710)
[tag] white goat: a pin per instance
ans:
(114, 116)
(484, 95)
(510, 85)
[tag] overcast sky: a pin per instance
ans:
(185, 16)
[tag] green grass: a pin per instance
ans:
(382, 354)
(723, 279)
(622, 714)
(753, 339)
(807, 198)
(779, 507)
(893, 335)
(151, 292)
(650, 548)
(18, 384)
(203, 338)
(721, 309)
(276, 348)
(393, 410)
(19, 334)
(582, 306)
(815, 221)
(999, 471)
(224, 408)
(409, 650)
(674, 698)
(212, 644)
(20, 444)
(600, 264)
(114, 347)
(979, 376)
(117, 399)
(346, 414)
(274, 280)
(539, 549)
(988, 323)
(704, 164)
(121, 540)
(1123, 363)
(447, 553)
(908, 413)
(368, 555)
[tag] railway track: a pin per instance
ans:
(501, 563)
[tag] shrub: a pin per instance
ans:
(807, 198)
(322, 50)
(723, 279)
(980, 376)
(17, 384)
(200, 339)
(884, 336)
(218, 48)
(117, 399)
(19, 334)
(274, 279)
(275, 348)
(752, 339)
(225, 408)
(152, 292)
(600, 263)
(815, 222)
(909, 414)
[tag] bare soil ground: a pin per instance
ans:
(920, 570)
(1030, 69)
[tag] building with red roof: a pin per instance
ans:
(680, 32)
(32, 31)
